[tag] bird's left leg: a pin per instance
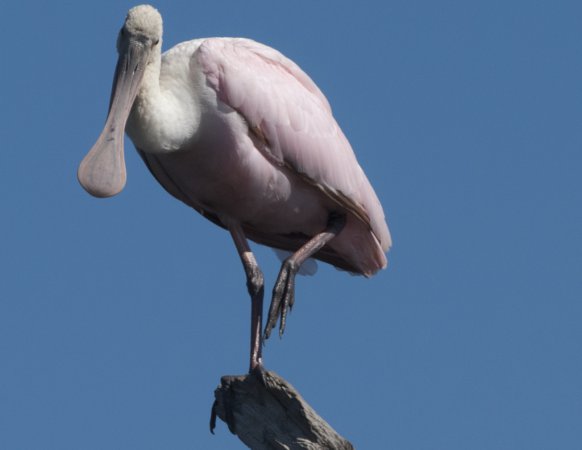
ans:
(256, 288)
(284, 290)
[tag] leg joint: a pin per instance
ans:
(255, 281)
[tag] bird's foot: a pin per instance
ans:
(283, 297)
(259, 372)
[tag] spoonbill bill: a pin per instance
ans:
(241, 134)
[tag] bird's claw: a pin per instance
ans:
(283, 298)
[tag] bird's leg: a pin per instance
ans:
(284, 290)
(256, 288)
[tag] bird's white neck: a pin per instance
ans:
(165, 115)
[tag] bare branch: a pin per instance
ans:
(269, 414)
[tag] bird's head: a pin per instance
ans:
(142, 26)
(102, 172)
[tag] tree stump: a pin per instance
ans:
(269, 414)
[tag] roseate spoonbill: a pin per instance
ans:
(241, 134)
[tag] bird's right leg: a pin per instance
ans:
(284, 290)
(256, 288)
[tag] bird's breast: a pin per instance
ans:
(162, 126)
(167, 111)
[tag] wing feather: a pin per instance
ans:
(290, 115)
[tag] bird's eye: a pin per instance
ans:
(156, 43)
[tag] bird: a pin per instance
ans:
(241, 134)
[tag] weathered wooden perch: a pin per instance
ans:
(271, 415)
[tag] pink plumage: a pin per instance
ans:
(241, 134)
(283, 105)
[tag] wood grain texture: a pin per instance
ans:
(270, 414)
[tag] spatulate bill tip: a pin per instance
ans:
(101, 181)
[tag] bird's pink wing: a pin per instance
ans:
(285, 108)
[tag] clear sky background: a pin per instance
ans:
(118, 317)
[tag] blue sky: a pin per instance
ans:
(118, 317)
